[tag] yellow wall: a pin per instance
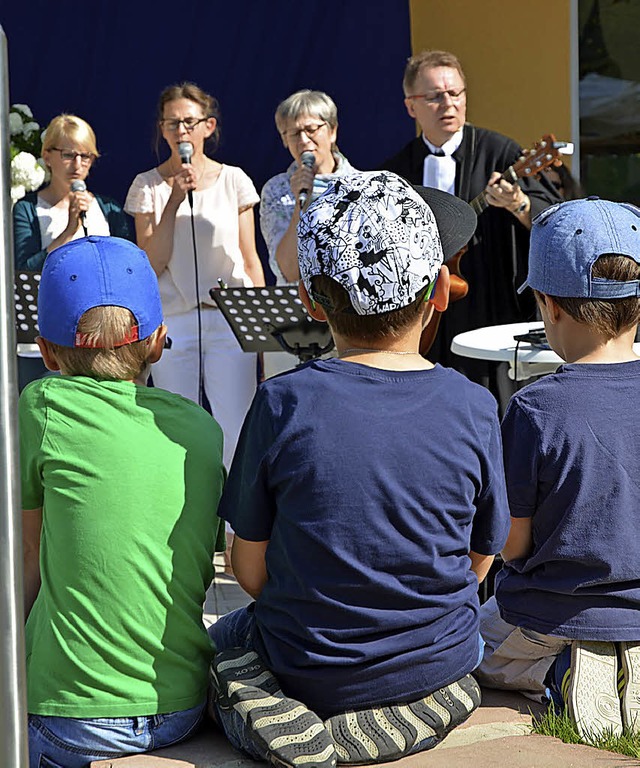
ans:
(516, 58)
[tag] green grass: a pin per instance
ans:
(559, 725)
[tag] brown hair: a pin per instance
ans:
(428, 60)
(609, 317)
(192, 92)
(342, 318)
(108, 326)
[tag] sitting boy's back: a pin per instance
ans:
(573, 466)
(398, 473)
(566, 615)
(120, 485)
(367, 496)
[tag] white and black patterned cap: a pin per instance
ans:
(381, 238)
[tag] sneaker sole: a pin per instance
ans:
(388, 733)
(592, 697)
(284, 730)
(630, 653)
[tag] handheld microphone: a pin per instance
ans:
(77, 185)
(308, 159)
(185, 150)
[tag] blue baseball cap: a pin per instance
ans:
(568, 238)
(96, 272)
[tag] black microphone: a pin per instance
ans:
(77, 185)
(308, 159)
(185, 150)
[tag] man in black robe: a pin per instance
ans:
(459, 158)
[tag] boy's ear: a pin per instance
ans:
(440, 297)
(156, 345)
(315, 310)
(551, 308)
(48, 355)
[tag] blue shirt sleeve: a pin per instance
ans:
(521, 460)
(247, 502)
(491, 521)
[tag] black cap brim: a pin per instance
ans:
(456, 219)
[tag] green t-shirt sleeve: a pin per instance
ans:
(31, 419)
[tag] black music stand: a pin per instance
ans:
(25, 292)
(272, 319)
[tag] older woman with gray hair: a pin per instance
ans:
(308, 123)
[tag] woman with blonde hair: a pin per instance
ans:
(64, 210)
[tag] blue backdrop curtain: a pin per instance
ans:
(108, 62)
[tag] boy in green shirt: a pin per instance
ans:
(120, 486)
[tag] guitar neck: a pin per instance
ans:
(480, 204)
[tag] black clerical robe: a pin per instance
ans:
(496, 263)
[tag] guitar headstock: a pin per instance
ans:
(544, 153)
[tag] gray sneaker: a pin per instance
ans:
(390, 732)
(630, 659)
(285, 732)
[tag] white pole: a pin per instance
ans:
(13, 708)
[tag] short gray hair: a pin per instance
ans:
(307, 102)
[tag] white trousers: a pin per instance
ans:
(229, 373)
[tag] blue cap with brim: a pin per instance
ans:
(92, 272)
(568, 238)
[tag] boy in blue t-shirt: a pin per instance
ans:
(367, 496)
(566, 615)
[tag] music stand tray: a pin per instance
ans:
(272, 319)
(25, 293)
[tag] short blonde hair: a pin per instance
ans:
(107, 326)
(73, 128)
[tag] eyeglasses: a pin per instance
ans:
(308, 130)
(438, 98)
(68, 156)
(189, 123)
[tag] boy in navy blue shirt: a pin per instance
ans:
(367, 496)
(570, 586)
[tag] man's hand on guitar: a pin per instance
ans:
(502, 194)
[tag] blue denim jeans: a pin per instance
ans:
(234, 630)
(69, 742)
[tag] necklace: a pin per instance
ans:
(369, 350)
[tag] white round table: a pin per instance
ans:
(496, 342)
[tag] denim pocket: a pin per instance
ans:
(45, 762)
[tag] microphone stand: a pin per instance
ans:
(198, 308)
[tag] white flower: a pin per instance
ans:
(30, 128)
(17, 193)
(15, 123)
(26, 172)
(23, 108)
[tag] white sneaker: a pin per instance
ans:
(592, 695)
(630, 655)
